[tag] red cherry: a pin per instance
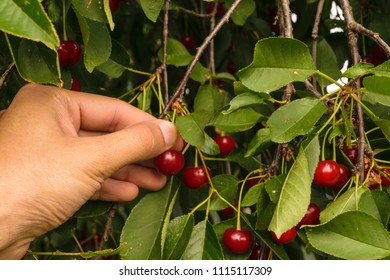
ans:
(312, 215)
(286, 237)
(368, 59)
(169, 162)
(386, 177)
(351, 153)
(327, 173)
(114, 4)
(220, 10)
(252, 182)
(69, 53)
(227, 212)
(237, 241)
(75, 84)
(373, 180)
(195, 177)
(378, 54)
(344, 176)
(188, 41)
(259, 252)
(226, 144)
(231, 68)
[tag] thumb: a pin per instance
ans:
(136, 143)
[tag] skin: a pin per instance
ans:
(61, 148)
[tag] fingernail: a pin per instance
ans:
(169, 132)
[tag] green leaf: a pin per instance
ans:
(227, 186)
(377, 88)
(277, 62)
(357, 70)
(151, 8)
(91, 9)
(295, 118)
(260, 142)
(239, 120)
(382, 69)
(242, 11)
(327, 63)
(191, 127)
(348, 201)
(27, 19)
(97, 42)
(200, 73)
(118, 62)
(252, 195)
(296, 192)
(177, 54)
(178, 235)
(209, 98)
(382, 201)
(368, 205)
(204, 244)
(30, 56)
(142, 230)
(244, 100)
(351, 235)
(93, 209)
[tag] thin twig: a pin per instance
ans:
(211, 48)
(287, 30)
(4, 76)
(108, 226)
(165, 46)
(314, 35)
(180, 89)
(352, 41)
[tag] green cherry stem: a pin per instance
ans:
(64, 35)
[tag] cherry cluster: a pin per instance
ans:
(331, 174)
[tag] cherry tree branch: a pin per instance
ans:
(4, 76)
(314, 35)
(352, 41)
(165, 44)
(181, 87)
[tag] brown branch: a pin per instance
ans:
(211, 49)
(165, 42)
(287, 29)
(108, 226)
(314, 35)
(352, 41)
(4, 76)
(181, 87)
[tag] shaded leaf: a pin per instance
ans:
(152, 8)
(177, 54)
(377, 88)
(348, 201)
(142, 230)
(295, 118)
(239, 120)
(327, 62)
(260, 142)
(204, 244)
(242, 11)
(244, 100)
(27, 19)
(93, 209)
(93, 10)
(351, 235)
(177, 237)
(277, 62)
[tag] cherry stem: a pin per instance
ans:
(64, 35)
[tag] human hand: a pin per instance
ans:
(61, 148)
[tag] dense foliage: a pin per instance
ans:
(301, 165)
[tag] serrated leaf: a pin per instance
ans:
(327, 62)
(242, 11)
(97, 42)
(377, 88)
(295, 118)
(348, 201)
(27, 19)
(296, 192)
(204, 244)
(178, 235)
(351, 235)
(244, 100)
(142, 229)
(177, 54)
(91, 9)
(238, 120)
(252, 195)
(200, 73)
(209, 98)
(191, 127)
(227, 186)
(357, 70)
(30, 56)
(93, 209)
(277, 62)
(260, 142)
(382, 69)
(152, 8)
